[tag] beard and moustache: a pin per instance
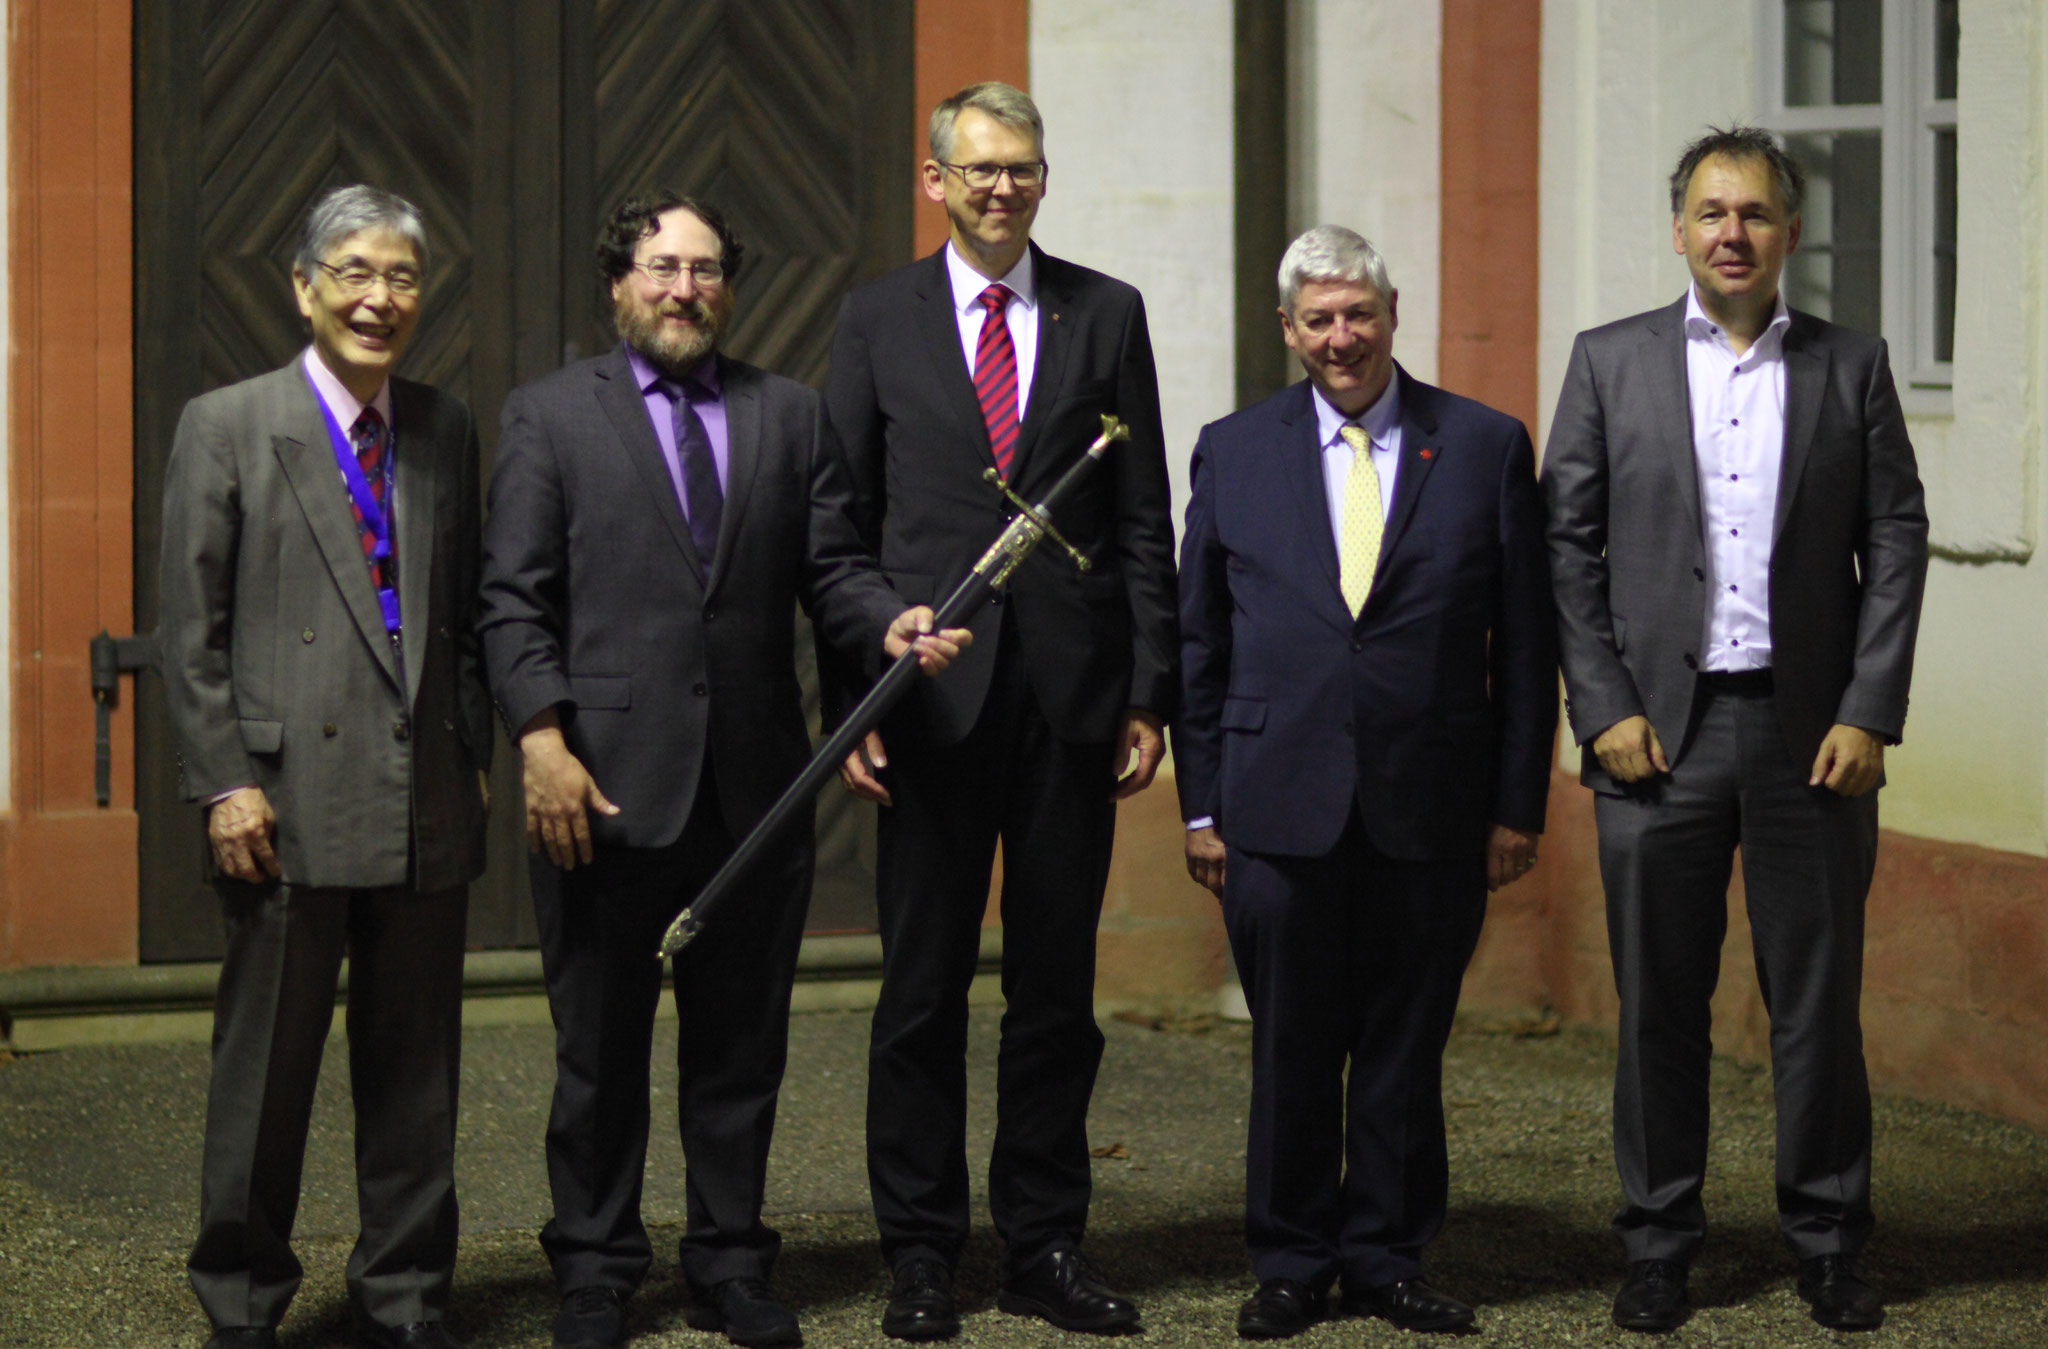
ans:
(675, 355)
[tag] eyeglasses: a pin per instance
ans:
(981, 177)
(356, 279)
(668, 271)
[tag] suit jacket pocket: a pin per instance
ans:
(262, 737)
(1243, 714)
(608, 693)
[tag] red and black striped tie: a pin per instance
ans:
(995, 377)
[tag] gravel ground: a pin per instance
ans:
(99, 1165)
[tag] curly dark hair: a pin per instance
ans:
(1741, 142)
(639, 216)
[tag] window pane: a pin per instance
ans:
(1944, 245)
(1838, 271)
(1834, 52)
(1947, 35)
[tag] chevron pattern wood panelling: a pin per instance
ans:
(513, 125)
(295, 98)
(755, 106)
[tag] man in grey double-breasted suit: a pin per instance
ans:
(319, 573)
(1738, 543)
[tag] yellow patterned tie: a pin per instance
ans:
(1363, 521)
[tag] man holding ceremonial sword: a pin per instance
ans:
(655, 514)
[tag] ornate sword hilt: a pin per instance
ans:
(1037, 518)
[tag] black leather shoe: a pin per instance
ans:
(592, 1317)
(243, 1337)
(921, 1302)
(1652, 1298)
(1060, 1288)
(413, 1335)
(744, 1311)
(1410, 1304)
(1280, 1308)
(1841, 1298)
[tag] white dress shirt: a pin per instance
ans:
(1738, 444)
(1021, 314)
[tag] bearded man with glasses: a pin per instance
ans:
(657, 513)
(991, 354)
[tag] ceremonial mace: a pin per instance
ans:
(1012, 546)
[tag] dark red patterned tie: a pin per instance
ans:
(367, 437)
(995, 377)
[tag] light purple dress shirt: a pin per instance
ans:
(661, 411)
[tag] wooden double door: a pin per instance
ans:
(513, 125)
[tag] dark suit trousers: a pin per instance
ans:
(272, 1011)
(1353, 959)
(1048, 801)
(1665, 857)
(599, 927)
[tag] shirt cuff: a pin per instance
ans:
(1204, 822)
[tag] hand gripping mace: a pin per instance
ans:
(1012, 546)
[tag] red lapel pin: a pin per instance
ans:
(1427, 453)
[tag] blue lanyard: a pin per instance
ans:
(374, 517)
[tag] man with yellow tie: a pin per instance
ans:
(1369, 699)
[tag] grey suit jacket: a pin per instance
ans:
(276, 664)
(1628, 555)
(595, 602)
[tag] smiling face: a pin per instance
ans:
(1735, 235)
(677, 325)
(989, 226)
(1343, 332)
(360, 337)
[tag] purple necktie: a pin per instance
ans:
(703, 498)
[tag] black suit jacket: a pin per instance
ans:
(1627, 548)
(1433, 712)
(277, 668)
(904, 407)
(594, 601)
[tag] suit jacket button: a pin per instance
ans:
(996, 597)
(1357, 644)
(447, 725)
(702, 691)
(330, 730)
(306, 636)
(1692, 662)
(401, 730)
(710, 614)
(1698, 575)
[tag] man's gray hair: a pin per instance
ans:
(1004, 102)
(351, 210)
(1331, 253)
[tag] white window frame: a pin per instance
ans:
(1908, 120)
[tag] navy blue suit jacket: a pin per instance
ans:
(1434, 712)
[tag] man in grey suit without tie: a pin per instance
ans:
(319, 570)
(1738, 544)
(657, 513)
